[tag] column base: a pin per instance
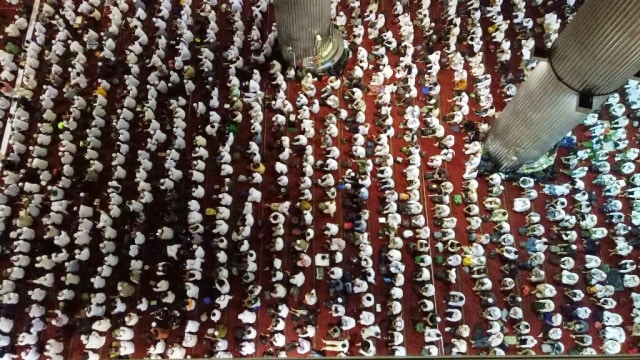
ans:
(331, 60)
(541, 168)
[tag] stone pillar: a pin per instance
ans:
(594, 55)
(600, 49)
(306, 34)
(534, 121)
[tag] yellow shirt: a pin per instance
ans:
(101, 91)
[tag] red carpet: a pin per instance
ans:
(171, 212)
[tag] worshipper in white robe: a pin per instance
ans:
(93, 341)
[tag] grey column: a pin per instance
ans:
(600, 49)
(306, 34)
(534, 121)
(594, 55)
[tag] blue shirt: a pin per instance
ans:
(363, 194)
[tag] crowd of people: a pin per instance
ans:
(170, 190)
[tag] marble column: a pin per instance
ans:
(306, 34)
(534, 121)
(600, 49)
(593, 56)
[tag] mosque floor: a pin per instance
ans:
(172, 210)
